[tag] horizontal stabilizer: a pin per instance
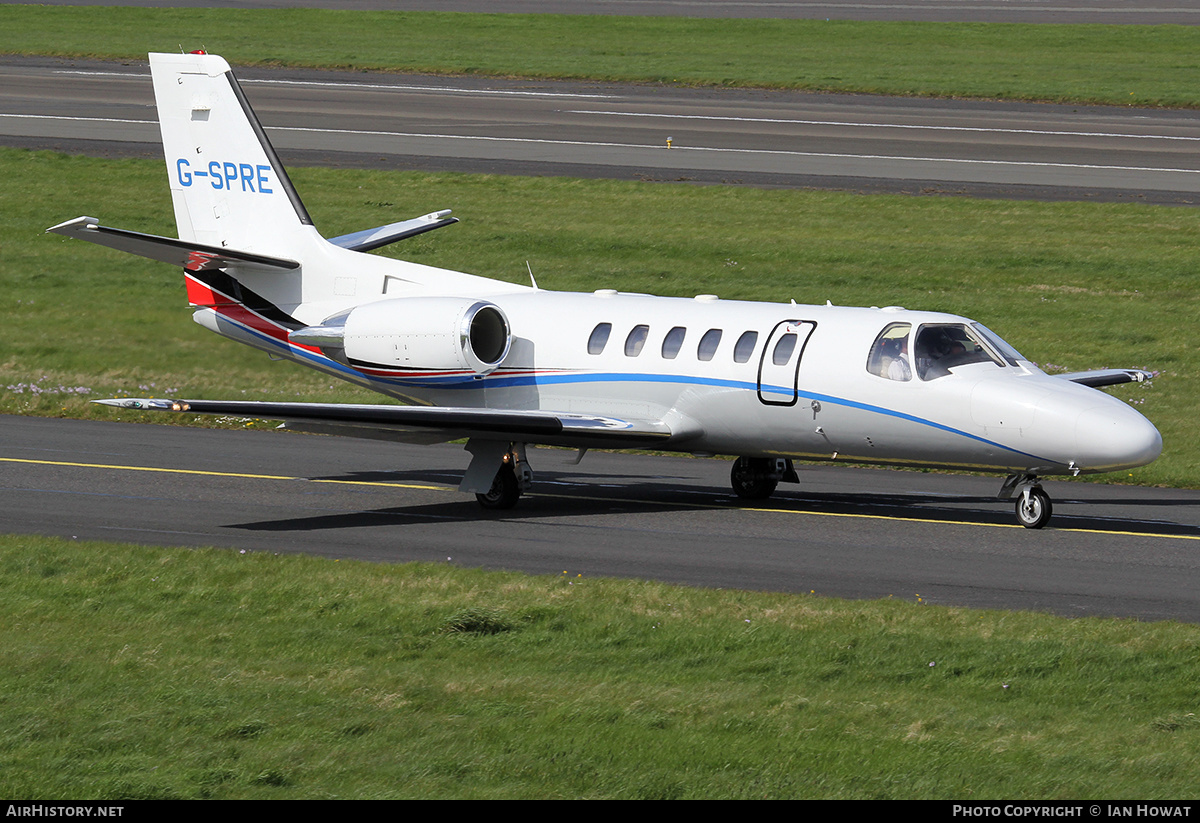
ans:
(1106, 377)
(187, 255)
(376, 238)
(427, 423)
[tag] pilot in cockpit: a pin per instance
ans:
(889, 356)
(896, 358)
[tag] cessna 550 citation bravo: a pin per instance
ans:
(507, 366)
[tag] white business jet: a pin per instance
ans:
(507, 366)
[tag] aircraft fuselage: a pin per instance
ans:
(820, 402)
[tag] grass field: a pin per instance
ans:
(1072, 285)
(133, 672)
(1122, 65)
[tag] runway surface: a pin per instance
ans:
(855, 533)
(1144, 12)
(761, 138)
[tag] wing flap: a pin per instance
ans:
(426, 424)
(191, 256)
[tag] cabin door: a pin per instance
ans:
(779, 366)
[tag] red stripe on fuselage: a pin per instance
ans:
(200, 294)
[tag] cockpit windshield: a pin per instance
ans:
(936, 350)
(941, 347)
(1006, 351)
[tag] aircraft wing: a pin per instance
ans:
(1106, 377)
(191, 256)
(428, 424)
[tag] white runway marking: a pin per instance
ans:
(372, 86)
(655, 147)
(983, 129)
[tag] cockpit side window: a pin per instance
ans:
(941, 347)
(889, 355)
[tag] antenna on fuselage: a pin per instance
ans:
(531, 280)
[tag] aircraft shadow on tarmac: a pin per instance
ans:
(568, 494)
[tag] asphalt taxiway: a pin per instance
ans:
(845, 532)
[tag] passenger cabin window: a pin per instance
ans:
(745, 346)
(708, 344)
(673, 342)
(783, 349)
(941, 347)
(889, 354)
(635, 340)
(599, 338)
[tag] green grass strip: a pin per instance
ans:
(1123, 65)
(139, 672)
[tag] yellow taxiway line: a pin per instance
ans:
(423, 487)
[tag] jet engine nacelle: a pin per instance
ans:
(428, 333)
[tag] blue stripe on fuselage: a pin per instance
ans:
(494, 381)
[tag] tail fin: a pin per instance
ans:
(227, 184)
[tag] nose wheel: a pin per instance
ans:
(1034, 508)
(1033, 504)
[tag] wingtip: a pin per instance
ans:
(84, 222)
(140, 403)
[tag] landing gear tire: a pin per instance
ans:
(1034, 511)
(505, 490)
(752, 479)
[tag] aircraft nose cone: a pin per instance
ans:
(1114, 437)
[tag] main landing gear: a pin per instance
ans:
(755, 478)
(505, 490)
(499, 473)
(1033, 504)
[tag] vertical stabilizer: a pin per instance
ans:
(227, 184)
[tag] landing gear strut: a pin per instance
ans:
(1033, 504)
(755, 478)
